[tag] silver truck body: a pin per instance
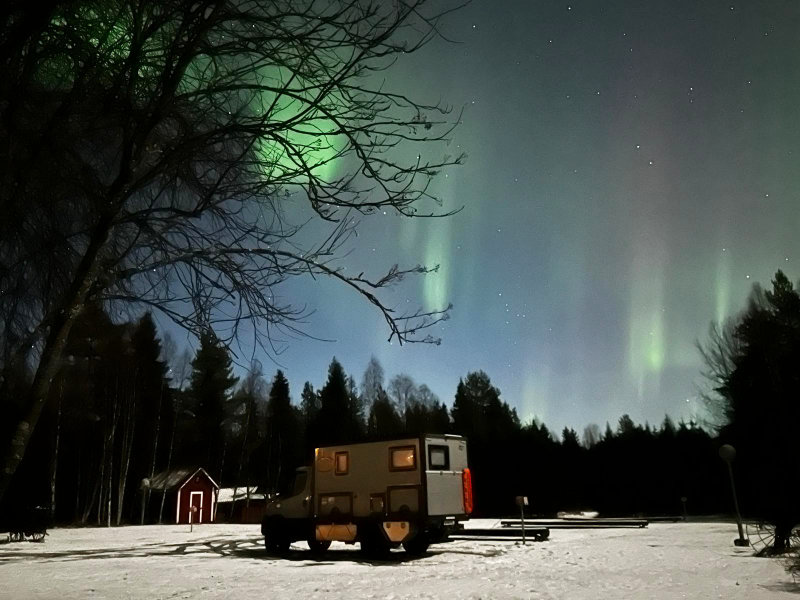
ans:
(413, 491)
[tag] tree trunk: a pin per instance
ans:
(222, 460)
(146, 492)
(783, 532)
(102, 489)
(62, 318)
(87, 511)
(241, 462)
(110, 456)
(129, 429)
(77, 509)
(54, 462)
(169, 459)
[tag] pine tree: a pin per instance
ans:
(210, 383)
(283, 442)
(478, 411)
(336, 422)
(569, 438)
(383, 422)
(309, 413)
(152, 404)
(754, 369)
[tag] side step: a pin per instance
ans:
(537, 534)
(577, 523)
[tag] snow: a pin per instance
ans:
(665, 560)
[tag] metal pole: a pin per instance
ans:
(522, 519)
(728, 453)
(736, 507)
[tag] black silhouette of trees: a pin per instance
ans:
(752, 363)
(210, 390)
(78, 455)
(309, 414)
(492, 431)
(283, 443)
(190, 156)
(338, 419)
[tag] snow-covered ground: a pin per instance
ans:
(675, 560)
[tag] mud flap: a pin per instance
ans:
(397, 531)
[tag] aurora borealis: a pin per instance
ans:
(632, 170)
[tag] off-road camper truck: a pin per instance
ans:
(412, 491)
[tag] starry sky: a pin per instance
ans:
(632, 170)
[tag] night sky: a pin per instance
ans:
(632, 170)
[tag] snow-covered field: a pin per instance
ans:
(676, 560)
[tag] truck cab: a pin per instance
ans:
(410, 492)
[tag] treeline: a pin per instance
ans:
(126, 405)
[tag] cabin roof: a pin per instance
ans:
(227, 494)
(176, 478)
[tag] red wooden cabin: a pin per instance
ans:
(191, 494)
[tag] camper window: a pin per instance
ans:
(403, 458)
(342, 463)
(439, 458)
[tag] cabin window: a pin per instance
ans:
(439, 458)
(342, 461)
(403, 458)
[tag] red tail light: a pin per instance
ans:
(466, 484)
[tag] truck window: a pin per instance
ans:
(342, 461)
(402, 458)
(299, 483)
(439, 458)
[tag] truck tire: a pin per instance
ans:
(275, 539)
(318, 546)
(375, 545)
(418, 545)
(276, 545)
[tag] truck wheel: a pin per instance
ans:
(276, 544)
(318, 546)
(418, 545)
(375, 546)
(275, 539)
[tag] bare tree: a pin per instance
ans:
(718, 354)
(252, 392)
(591, 435)
(402, 390)
(205, 152)
(372, 381)
(426, 397)
(182, 369)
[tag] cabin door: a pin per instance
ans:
(196, 507)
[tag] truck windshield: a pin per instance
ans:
(299, 482)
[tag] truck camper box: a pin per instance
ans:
(411, 491)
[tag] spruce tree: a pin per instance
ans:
(309, 413)
(152, 404)
(283, 441)
(383, 422)
(336, 420)
(753, 366)
(210, 384)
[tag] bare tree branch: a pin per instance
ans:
(168, 153)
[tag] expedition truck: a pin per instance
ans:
(412, 491)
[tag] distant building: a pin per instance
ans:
(187, 489)
(241, 505)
